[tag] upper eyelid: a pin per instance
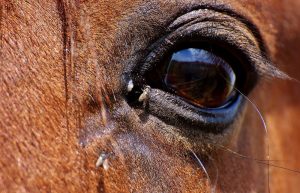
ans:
(158, 30)
(225, 10)
(265, 68)
(223, 19)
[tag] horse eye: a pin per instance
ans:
(199, 77)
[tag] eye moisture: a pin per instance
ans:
(200, 78)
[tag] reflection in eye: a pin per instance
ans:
(200, 77)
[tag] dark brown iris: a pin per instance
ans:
(200, 77)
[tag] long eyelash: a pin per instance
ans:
(294, 80)
(265, 67)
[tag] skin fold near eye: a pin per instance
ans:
(200, 77)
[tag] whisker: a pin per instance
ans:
(262, 162)
(262, 121)
(294, 80)
(217, 173)
(203, 168)
(241, 155)
(184, 143)
(266, 131)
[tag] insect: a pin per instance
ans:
(144, 97)
(103, 161)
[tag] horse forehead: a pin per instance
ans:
(252, 7)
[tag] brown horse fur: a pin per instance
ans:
(61, 102)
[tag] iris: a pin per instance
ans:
(200, 78)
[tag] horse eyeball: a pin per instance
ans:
(200, 78)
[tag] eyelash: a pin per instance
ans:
(242, 46)
(165, 46)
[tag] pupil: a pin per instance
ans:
(200, 77)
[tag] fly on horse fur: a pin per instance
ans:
(189, 95)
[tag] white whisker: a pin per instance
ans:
(204, 169)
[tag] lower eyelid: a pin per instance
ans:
(174, 111)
